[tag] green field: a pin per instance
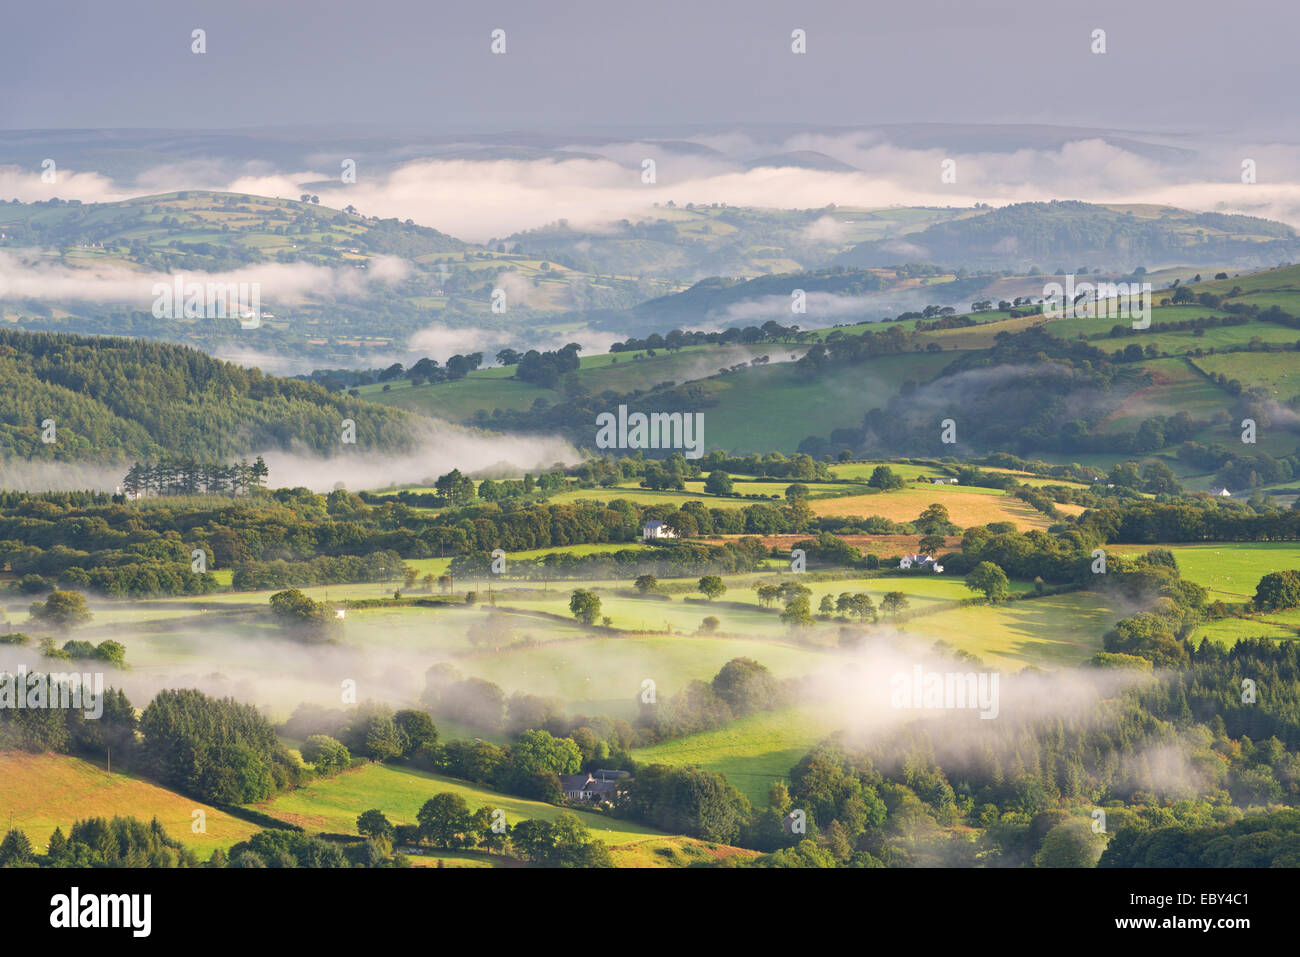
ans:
(861, 471)
(1277, 371)
(1228, 631)
(1230, 570)
(1176, 387)
(606, 675)
(1097, 328)
(458, 401)
(775, 407)
(333, 804)
(1056, 630)
(496, 387)
(753, 752)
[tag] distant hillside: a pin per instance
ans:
(691, 241)
(198, 230)
(338, 287)
(832, 296)
(1068, 235)
(1077, 388)
(114, 399)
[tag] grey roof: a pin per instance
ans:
(601, 782)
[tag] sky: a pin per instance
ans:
(573, 64)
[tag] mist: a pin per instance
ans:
(478, 200)
(439, 447)
(27, 274)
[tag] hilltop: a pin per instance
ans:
(1066, 234)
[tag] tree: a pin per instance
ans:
(111, 652)
(488, 833)
(1159, 479)
(790, 590)
(884, 478)
(796, 492)
(325, 754)
(534, 839)
(718, 483)
(418, 730)
(374, 734)
(58, 845)
(711, 586)
(934, 520)
(16, 850)
(1125, 475)
(691, 801)
(800, 513)
(861, 605)
(827, 605)
(931, 543)
(1070, 844)
(444, 820)
(894, 602)
(62, 610)
(539, 753)
(1278, 590)
(709, 625)
(302, 615)
(990, 579)
(585, 605)
(456, 487)
(218, 749)
(572, 846)
(797, 613)
(645, 583)
(746, 686)
(372, 823)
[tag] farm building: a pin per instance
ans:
(657, 529)
(920, 562)
(592, 786)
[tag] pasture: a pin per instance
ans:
(1055, 630)
(1228, 570)
(753, 752)
(966, 506)
(39, 792)
(333, 804)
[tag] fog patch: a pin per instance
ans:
(440, 447)
(29, 275)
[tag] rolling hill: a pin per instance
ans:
(1069, 234)
(113, 399)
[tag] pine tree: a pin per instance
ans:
(58, 845)
(15, 849)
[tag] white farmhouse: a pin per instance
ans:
(657, 529)
(920, 562)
